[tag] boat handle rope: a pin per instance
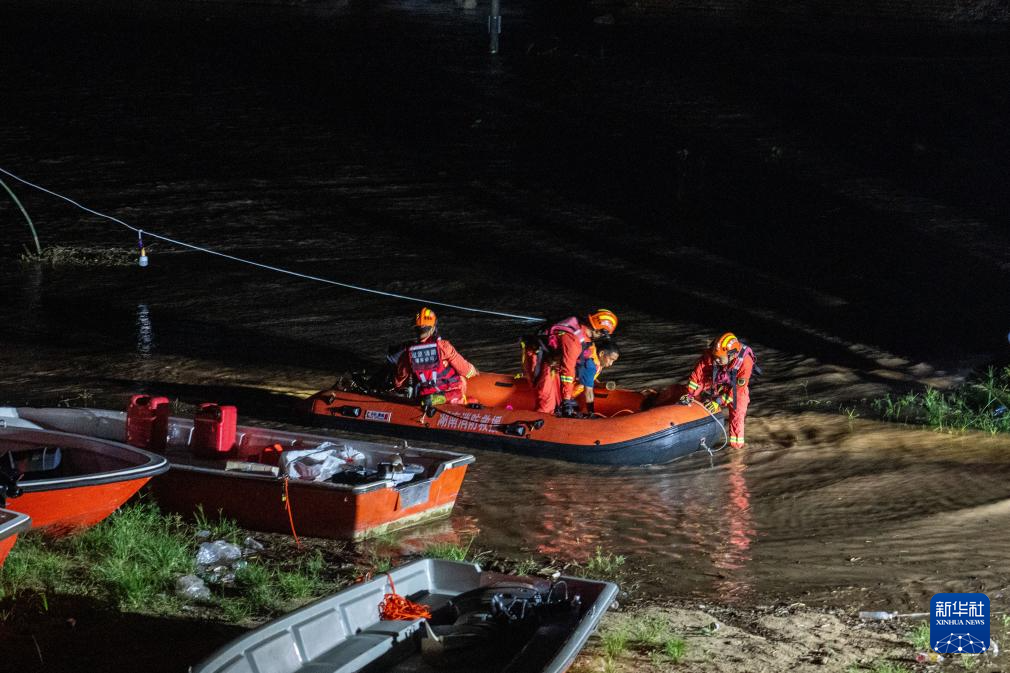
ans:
(725, 436)
(268, 267)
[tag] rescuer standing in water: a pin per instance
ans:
(439, 372)
(722, 379)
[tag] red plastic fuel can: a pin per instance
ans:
(147, 422)
(214, 430)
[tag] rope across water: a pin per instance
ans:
(268, 267)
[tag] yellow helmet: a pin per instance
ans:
(726, 345)
(604, 320)
(425, 318)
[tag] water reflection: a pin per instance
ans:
(145, 331)
(663, 518)
(736, 534)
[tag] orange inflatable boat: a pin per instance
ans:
(498, 417)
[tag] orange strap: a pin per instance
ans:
(291, 517)
(395, 606)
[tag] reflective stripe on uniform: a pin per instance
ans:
(567, 379)
(691, 385)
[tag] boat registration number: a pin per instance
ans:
(381, 416)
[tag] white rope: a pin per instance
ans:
(722, 427)
(268, 267)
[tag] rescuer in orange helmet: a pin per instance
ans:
(722, 378)
(438, 371)
(551, 357)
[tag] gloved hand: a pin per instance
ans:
(712, 407)
(686, 400)
(570, 409)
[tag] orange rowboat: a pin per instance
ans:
(11, 524)
(624, 433)
(244, 486)
(69, 481)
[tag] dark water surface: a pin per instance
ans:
(836, 197)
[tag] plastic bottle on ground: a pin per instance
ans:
(877, 615)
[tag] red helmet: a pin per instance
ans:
(726, 345)
(425, 318)
(604, 320)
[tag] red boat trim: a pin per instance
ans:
(152, 465)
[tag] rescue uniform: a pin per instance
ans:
(556, 380)
(727, 385)
(437, 367)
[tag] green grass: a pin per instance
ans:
(220, 527)
(131, 557)
(604, 565)
(888, 667)
(135, 556)
(919, 636)
(615, 643)
(32, 567)
(449, 550)
(524, 567)
(975, 405)
(651, 635)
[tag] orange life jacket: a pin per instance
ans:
(432, 377)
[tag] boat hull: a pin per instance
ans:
(630, 436)
(343, 632)
(259, 504)
(256, 500)
(91, 480)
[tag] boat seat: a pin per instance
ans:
(353, 654)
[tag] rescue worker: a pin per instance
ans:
(438, 371)
(550, 359)
(602, 354)
(722, 379)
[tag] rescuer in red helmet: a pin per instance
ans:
(722, 379)
(438, 371)
(551, 357)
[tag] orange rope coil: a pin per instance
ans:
(395, 606)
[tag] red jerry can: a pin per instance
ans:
(214, 430)
(147, 422)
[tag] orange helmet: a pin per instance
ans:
(425, 318)
(727, 344)
(604, 320)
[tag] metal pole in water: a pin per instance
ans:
(494, 24)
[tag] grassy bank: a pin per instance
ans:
(981, 404)
(133, 559)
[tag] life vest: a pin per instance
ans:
(724, 378)
(549, 342)
(552, 335)
(432, 377)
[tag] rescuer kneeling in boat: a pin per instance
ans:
(602, 354)
(722, 379)
(550, 359)
(438, 371)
